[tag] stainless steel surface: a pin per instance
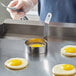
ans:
(3, 12)
(56, 30)
(38, 66)
(3, 30)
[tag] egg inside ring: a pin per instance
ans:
(64, 70)
(69, 50)
(16, 63)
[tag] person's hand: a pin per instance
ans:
(23, 5)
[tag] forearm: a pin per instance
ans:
(34, 1)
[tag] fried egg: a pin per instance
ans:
(36, 45)
(16, 63)
(69, 50)
(64, 70)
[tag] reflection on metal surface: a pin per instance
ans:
(46, 65)
(26, 54)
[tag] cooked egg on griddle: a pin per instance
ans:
(69, 50)
(16, 63)
(36, 45)
(64, 70)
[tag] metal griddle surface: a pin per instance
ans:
(37, 66)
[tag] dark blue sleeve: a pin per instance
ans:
(39, 6)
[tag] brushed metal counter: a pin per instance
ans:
(56, 30)
(38, 66)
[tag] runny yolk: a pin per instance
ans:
(67, 67)
(36, 45)
(70, 50)
(15, 62)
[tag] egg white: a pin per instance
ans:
(22, 66)
(68, 54)
(57, 70)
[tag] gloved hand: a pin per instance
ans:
(23, 5)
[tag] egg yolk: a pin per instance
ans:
(70, 50)
(36, 45)
(67, 67)
(36, 40)
(15, 62)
